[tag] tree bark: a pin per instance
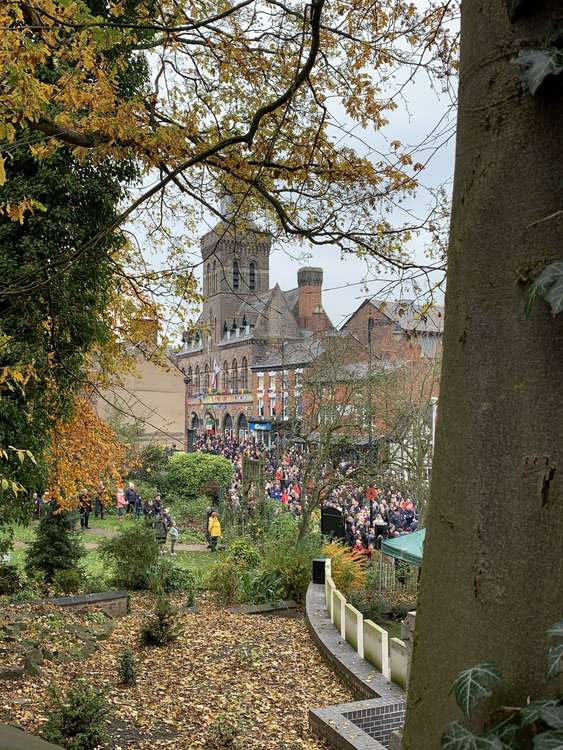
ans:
(492, 579)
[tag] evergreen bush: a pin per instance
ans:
(11, 580)
(131, 553)
(56, 545)
(68, 581)
(76, 721)
(225, 732)
(161, 626)
(126, 668)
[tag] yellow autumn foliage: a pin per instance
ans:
(84, 451)
(348, 572)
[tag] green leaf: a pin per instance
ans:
(549, 740)
(553, 716)
(555, 631)
(473, 684)
(459, 738)
(538, 63)
(554, 656)
(549, 285)
(532, 712)
(506, 734)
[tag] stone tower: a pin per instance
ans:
(236, 267)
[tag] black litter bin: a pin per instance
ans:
(319, 570)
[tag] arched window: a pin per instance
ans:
(206, 378)
(252, 276)
(244, 374)
(234, 375)
(236, 276)
(214, 277)
(225, 376)
(197, 380)
(190, 384)
(206, 279)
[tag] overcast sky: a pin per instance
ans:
(348, 281)
(344, 289)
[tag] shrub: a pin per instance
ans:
(11, 580)
(161, 626)
(224, 580)
(225, 732)
(260, 587)
(169, 577)
(151, 460)
(290, 560)
(244, 552)
(77, 720)
(145, 489)
(188, 474)
(194, 588)
(126, 668)
(348, 573)
(56, 545)
(131, 553)
(189, 510)
(68, 581)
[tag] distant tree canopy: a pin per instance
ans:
(194, 474)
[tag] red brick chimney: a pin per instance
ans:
(310, 313)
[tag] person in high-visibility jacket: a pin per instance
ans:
(214, 530)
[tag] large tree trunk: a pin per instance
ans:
(492, 579)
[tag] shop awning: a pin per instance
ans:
(407, 548)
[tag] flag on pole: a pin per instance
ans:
(216, 371)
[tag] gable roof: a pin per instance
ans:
(412, 318)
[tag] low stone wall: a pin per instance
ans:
(362, 725)
(113, 603)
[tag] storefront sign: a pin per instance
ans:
(260, 426)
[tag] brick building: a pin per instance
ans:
(243, 321)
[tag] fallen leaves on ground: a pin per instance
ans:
(262, 669)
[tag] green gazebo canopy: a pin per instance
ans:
(407, 548)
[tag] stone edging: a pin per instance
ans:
(261, 609)
(365, 724)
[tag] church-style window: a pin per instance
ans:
(252, 276)
(234, 375)
(225, 376)
(206, 378)
(189, 382)
(244, 374)
(236, 276)
(197, 380)
(214, 277)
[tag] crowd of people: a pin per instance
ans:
(370, 513)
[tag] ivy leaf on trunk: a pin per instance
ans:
(474, 684)
(538, 63)
(549, 285)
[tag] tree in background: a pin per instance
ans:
(404, 399)
(492, 579)
(83, 451)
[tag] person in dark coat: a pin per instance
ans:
(131, 497)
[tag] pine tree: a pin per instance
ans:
(56, 545)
